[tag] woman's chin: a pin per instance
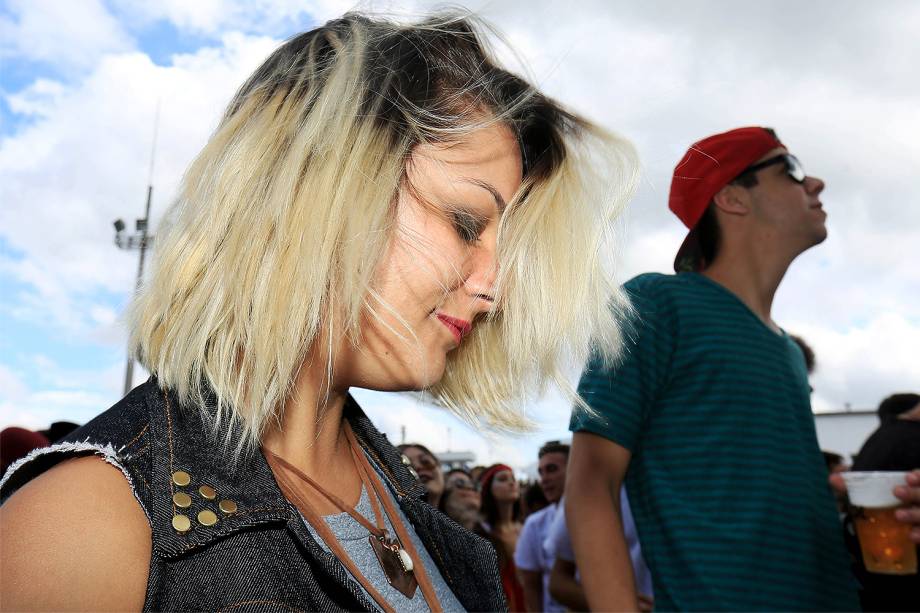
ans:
(425, 376)
(411, 381)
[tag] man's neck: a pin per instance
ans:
(751, 276)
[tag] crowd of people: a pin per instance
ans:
(526, 531)
(384, 206)
(538, 566)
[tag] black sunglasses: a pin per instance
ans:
(793, 166)
(465, 484)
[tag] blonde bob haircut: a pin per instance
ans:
(282, 218)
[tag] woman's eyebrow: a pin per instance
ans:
(499, 201)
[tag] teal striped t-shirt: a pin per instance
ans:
(726, 481)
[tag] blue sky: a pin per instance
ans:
(80, 80)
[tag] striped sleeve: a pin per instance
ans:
(621, 396)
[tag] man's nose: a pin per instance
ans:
(814, 185)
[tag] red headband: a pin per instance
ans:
(489, 474)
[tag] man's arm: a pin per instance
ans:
(532, 582)
(592, 507)
(564, 588)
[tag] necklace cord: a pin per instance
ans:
(325, 532)
(376, 493)
(379, 530)
(402, 533)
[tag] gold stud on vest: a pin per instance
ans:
(181, 523)
(182, 500)
(207, 518)
(181, 478)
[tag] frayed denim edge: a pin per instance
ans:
(106, 452)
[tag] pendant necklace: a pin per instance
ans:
(396, 562)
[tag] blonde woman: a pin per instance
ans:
(381, 206)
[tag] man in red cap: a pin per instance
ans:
(707, 416)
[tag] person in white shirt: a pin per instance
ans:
(564, 583)
(530, 556)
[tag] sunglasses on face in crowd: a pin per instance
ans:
(464, 484)
(794, 167)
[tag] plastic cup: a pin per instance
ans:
(884, 541)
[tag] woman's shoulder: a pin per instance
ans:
(67, 532)
(72, 517)
(120, 436)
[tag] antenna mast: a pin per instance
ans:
(140, 239)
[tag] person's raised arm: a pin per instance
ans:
(592, 507)
(74, 539)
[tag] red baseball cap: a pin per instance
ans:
(708, 166)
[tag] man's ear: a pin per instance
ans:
(732, 200)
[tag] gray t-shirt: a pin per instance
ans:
(353, 537)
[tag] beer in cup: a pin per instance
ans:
(884, 541)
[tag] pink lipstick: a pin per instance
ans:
(458, 327)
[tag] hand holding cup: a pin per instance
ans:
(909, 493)
(883, 520)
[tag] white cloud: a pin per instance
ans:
(864, 363)
(85, 161)
(12, 388)
(43, 408)
(68, 35)
(38, 99)
(57, 394)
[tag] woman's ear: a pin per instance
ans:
(733, 200)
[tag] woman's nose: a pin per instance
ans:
(480, 284)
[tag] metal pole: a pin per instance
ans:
(129, 369)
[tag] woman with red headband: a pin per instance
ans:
(501, 513)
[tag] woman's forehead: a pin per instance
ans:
(487, 156)
(412, 450)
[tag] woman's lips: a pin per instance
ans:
(458, 327)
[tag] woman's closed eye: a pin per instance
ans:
(469, 226)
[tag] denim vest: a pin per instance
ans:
(247, 548)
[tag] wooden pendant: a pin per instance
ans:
(396, 564)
